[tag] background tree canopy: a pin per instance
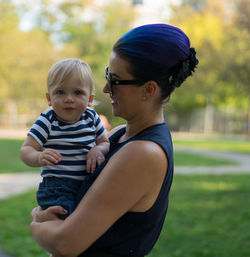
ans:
(219, 30)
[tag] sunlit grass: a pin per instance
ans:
(216, 144)
(193, 159)
(9, 157)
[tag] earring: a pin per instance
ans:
(144, 98)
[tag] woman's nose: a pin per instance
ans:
(106, 88)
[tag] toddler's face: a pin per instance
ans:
(70, 99)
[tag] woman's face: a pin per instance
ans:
(125, 99)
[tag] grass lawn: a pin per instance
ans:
(10, 161)
(9, 157)
(188, 159)
(208, 216)
(216, 143)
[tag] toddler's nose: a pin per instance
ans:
(69, 98)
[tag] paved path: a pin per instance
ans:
(2, 254)
(11, 184)
(243, 160)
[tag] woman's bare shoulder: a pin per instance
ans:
(142, 155)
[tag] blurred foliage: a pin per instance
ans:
(222, 44)
(77, 28)
(219, 30)
(25, 58)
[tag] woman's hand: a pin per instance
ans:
(40, 215)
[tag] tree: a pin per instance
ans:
(221, 39)
(87, 30)
(94, 38)
(24, 64)
(222, 50)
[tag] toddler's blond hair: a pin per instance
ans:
(61, 70)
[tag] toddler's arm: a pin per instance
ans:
(96, 155)
(32, 155)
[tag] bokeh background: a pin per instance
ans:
(36, 34)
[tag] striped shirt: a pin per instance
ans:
(72, 141)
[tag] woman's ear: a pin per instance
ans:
(91, 99)
(48, 99)
(149, 89)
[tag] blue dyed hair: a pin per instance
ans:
(158, 52)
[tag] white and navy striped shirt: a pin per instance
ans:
(72, 141)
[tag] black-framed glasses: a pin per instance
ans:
(115, 82)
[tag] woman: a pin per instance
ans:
(123, 204)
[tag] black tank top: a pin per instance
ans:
(135, 233)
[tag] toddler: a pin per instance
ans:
(67, 141)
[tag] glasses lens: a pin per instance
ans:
(106, 72)
(108, 80)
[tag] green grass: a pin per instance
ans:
(186, 159)
(208, 216)
(216, 143)
(10, 160)
(9, 157)
(14, 226)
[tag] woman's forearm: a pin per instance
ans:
(47, 235)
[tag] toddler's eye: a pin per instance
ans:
(60, 92)
(78, 92)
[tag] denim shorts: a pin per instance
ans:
(58, 191)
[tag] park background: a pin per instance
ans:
(36, 34)
(209, 214)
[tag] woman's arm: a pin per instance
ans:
(130, 181)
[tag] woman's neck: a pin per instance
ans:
(134, 126)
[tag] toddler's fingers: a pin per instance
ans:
(88, 166)
(57, 156)
(100, 159)
(93, 165)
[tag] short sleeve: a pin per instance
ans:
(40, 129)
(100, 130)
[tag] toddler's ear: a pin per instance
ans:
(48, 98)
(91, 99)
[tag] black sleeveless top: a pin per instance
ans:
(135, 233)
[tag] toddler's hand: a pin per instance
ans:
(49, 157)
(94, 156)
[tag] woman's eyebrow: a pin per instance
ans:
(111, 74)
